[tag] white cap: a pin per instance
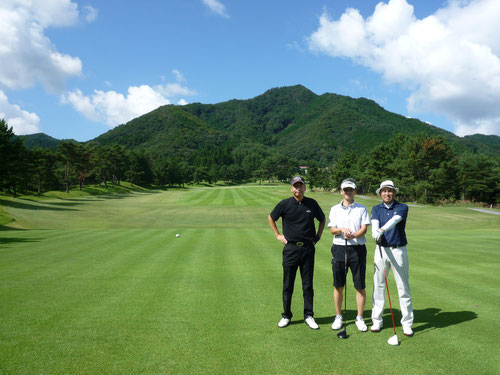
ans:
(387, 184)
(348, 184)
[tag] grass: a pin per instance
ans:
(101, 285)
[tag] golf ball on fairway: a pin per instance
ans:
(177, 235)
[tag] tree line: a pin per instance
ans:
(37, 170)
(425, 167)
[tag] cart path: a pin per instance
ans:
(486, 211)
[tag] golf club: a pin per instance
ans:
(343, 334)
(394, 339)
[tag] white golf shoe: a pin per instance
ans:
(407, 331)
(360, 323)
(311, 322)
(283, 322)
(337, 323)
(376, 327)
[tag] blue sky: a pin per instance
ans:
(76, 69)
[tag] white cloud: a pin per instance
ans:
(22, 122)
(90, 13)
(182, 102)
(113, 108)
(174, 89)
(449, 60)
(295, 46)
(489, 126)
(216, 7)
(27, 54)
(178, 76)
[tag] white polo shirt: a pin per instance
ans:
(352, 217)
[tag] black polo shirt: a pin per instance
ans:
(298, 218)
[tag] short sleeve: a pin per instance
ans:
(320, 215)
(332, 218)
(401, 210)
(365, 219)
(277, 211)
(375, 213)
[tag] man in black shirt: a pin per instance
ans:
(299, 237)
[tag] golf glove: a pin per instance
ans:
(377, 235)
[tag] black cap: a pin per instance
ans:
(297, 179)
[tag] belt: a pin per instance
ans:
(301, 243)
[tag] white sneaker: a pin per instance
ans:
(311, 322)
(407, 331)
(283, 322)
(376, 327)
(360, 323)
(337, 323)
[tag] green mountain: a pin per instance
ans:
(169, 130)
(480, 141)
(292, 120)
(41, 140)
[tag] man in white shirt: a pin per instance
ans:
(349, 221)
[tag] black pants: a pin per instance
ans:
(298, 257)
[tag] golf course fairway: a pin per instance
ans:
(102, 285)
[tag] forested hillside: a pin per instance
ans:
(268, 138)
(40, 140)
(291, 120)
(167, 131)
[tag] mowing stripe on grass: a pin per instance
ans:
(122, 294)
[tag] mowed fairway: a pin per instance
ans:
(101, 285)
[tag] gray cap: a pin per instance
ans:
(297, 179)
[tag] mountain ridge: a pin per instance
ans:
(292, 119)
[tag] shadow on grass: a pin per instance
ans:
(4, 228)
(62, 204)
(38, 201)
(429, 319)
(320, 320)
(27, 206)
(425, 319)
(327, 319)
(435, 318)
(6, 241)
(101, 193)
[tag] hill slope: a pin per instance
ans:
(168, 131)
(41, 140)
(293, 120)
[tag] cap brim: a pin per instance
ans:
(390, 187)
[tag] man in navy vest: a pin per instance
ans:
(388, 231)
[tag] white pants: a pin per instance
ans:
(397, 257)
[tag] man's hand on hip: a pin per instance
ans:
(282, 239)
